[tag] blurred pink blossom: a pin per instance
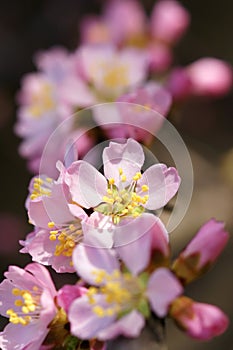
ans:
(210, 77)
(169, 21)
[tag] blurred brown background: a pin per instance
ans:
(206, 126)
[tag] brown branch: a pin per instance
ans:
(151, 338)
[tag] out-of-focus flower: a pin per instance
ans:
(210, 77)
(140, 113)
(169, 21)
(118, 302)
(121, 21)
(46, 99)
(200, 321)
(125, 19)
(201, 252)
(110, 72)
(27, 298)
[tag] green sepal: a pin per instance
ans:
(71, 343)
(187, 268)
(143, 278)
(143, 308)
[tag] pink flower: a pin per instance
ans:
(120, 21)
(140, 113)
(56, 63)
(122, 165)
(58, 225)
(124, 192)
(202, 251)
(111, 72)
(27, 298)
(169, 21)
(210, 77)
(200, 321)
(46, 99)
(125, 19)
(118, 302)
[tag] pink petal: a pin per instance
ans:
(128, 326)
(67, 294)
(98, 231)
(128, 156)
(163, 288)
(21, 337)
(132, 236)
(85, 324)
(87, 185)
(163, 184)
(88, 259)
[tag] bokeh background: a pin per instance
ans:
(206, 126)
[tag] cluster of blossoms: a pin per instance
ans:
(97, 226)
(103, 226)
(123, 56)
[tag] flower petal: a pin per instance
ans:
(98, 231)
(87, 185)
(128, 156)
(85, 324)
(163, 288)
(163, 184)
(128, 326)
(133, 236)
(88, 260)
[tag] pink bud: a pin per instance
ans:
(200, 321)
(160, 57)
(208, 242)
(169, 21)
(202, 251)
(210, 77)
(67, 294)
(179, 84)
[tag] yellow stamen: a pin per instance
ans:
(111, 181)
(145, 188)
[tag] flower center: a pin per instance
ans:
(28, 306)
(116, 75)
(67, 235)
(42, 101)
(122, 292)
(120, 202)
(42, 186)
